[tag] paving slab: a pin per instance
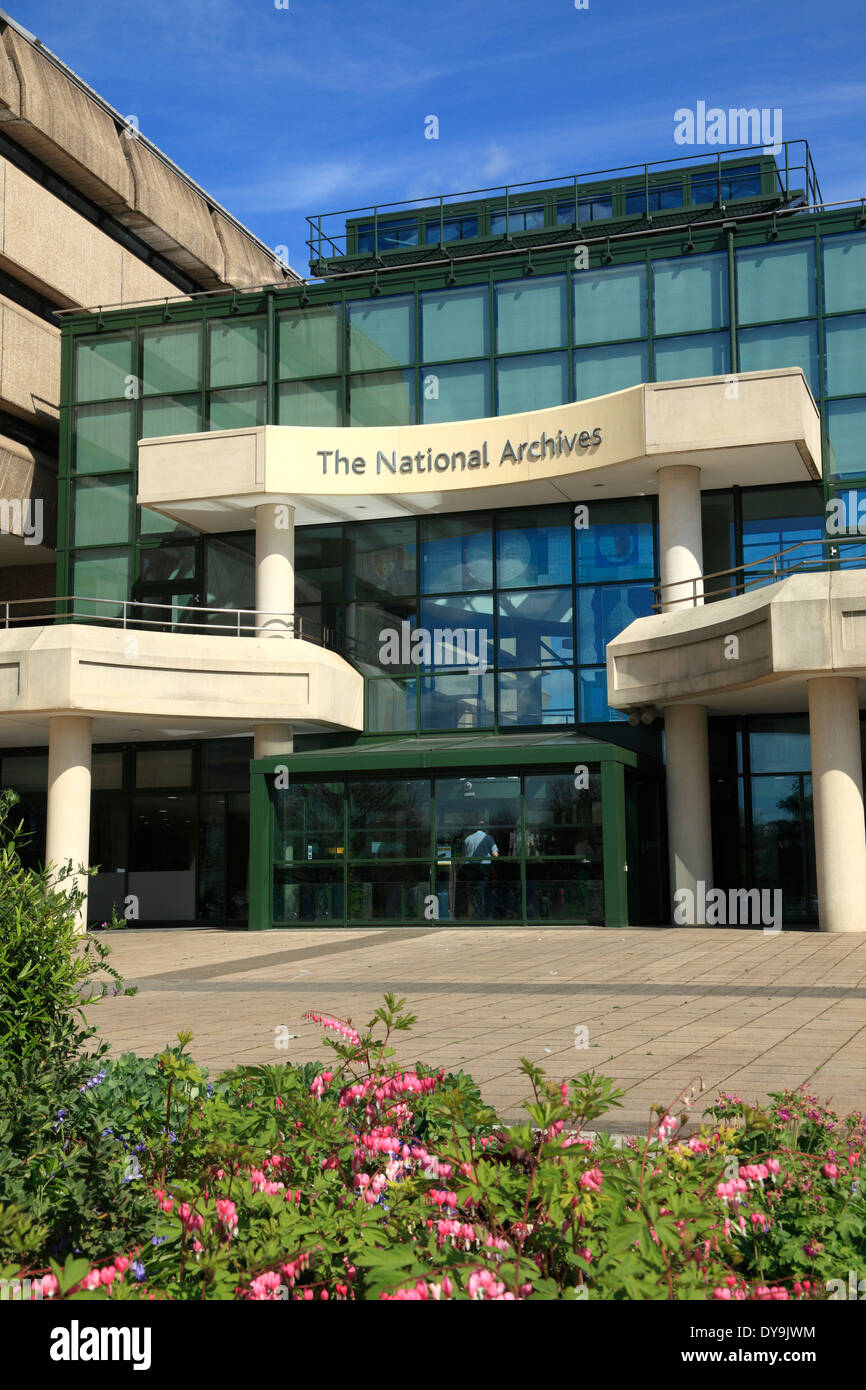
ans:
(749, 1012)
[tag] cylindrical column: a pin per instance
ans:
(687, 776)
(275, 598)
(837, 798)
(270, 740)
(275, 569)
(67, 834)
(680, 541)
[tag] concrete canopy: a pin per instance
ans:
(758, 424)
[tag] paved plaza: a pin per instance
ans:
(747, 1012)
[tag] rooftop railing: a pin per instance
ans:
(794, 175)
(768, 569)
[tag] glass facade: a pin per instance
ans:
(518, 605)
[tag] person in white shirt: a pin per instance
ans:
(480, 850)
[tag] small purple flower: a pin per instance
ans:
(138, 1270)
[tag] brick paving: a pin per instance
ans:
(747, 1012)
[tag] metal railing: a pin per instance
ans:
(138, 614)
(769, 569)
(795, 174)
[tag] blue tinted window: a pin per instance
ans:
(452, 229)
(845, 357)
(588, 210)
(531, 383)
(844, 272)
(690, 293)
(392, 236)
(600, 370)
(531, 313)
(459, 631)
(536, 697)
(610, 304)
(776, 281)
(782, 345)
(391, 706)
(592, 698)
(604, 611)
(703, 354)
(533, 554)
(667, 196)
(456, 554)
(846, 422)
(381, 332)
(456, 392)
(535, 627)
(461, 701)
(780, 750)
(455, 323)
(617, 543)
(519, 220)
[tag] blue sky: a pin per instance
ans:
(283, 112)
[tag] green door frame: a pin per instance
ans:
(407, 756)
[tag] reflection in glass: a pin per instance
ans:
(534, 551)
(388, 892)
(535, 627)
(457, 701)
(456, 554)
(617, 543)
(536, 697)
(603, 612)
(389, 818)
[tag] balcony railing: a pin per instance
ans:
(768, 569)
(138, 615)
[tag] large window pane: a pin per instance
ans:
(776, 282)
(690, 293)
(536, 697)
(562, 820)
(103, 577)
(844, 272)
(603, 612)
(230, 573)
(171, 360)
(239, 409)
(312, 895)
(531, 314)
(388, 892)
(103, 512)
(237, 353)
(617, 543)
(103, 441)
(846, 359)
(600, 370)
(319, 562)
(610, 303)
(309, 402)
(308, 341)
(379, 636)
(162, 858)
(163, 767)
(456, 554)
(531, 383)
(459, 631)
(383, 398)
(381, 332)
(167, 415)
(385, 558)
(782, 345)
(704, 354)
(391, 706)
(455, 323)
(389, 818)
(846, 422)
(308, 822)
(533, 549)
(592, 703)
(457, 701)
(565, 891)
(163, 563)
(459, 392)
(103, 368)
(780, 745)
(535, 627)
(774, 520)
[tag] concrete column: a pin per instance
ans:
(275, 569)
(837, 796)
(68, 824)
(270, 740)
(687, 760)
(690, 842)
(275, 597)
(680, 542)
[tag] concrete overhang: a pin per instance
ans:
(139, 685)
(756, 426)
(748, 654)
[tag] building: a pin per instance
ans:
(496, 574)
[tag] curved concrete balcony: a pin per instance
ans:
(750, 653)
(139, 684)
